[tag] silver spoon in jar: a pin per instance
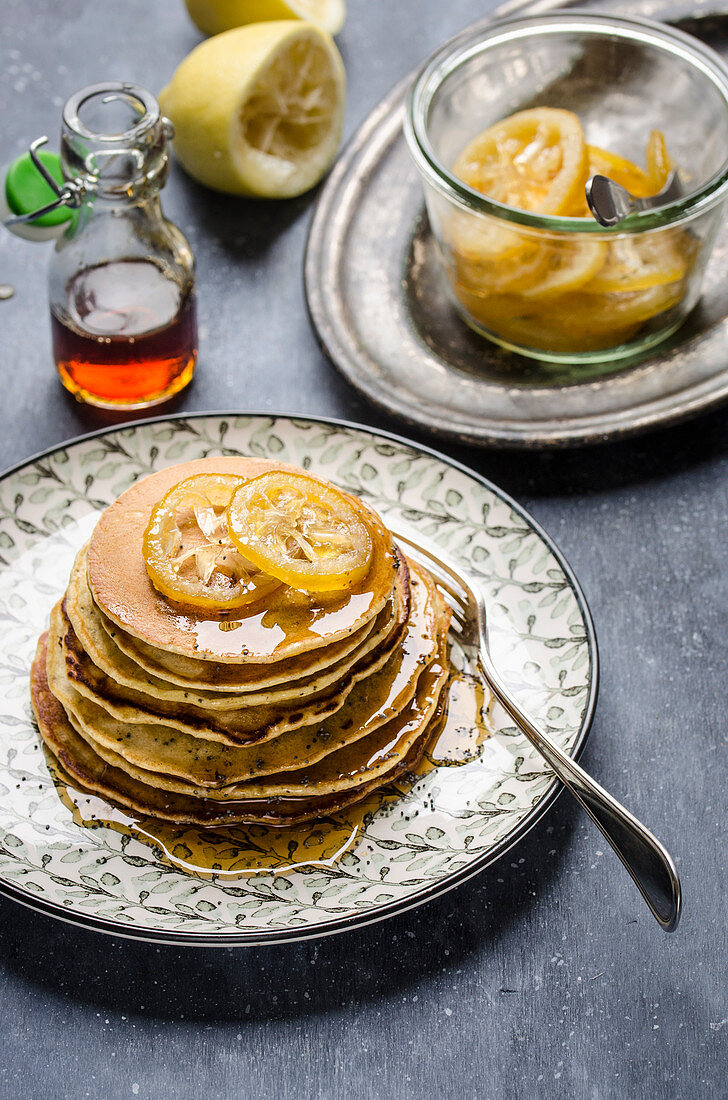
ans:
(610, 203)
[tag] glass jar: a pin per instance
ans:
(564, 289)
(121, 281)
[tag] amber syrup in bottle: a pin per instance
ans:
(125, 336)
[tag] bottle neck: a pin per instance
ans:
(116, 218)
(114, 144)
(140, 205)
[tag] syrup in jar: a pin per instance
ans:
(127, 335)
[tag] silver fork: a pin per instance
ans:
(646, 859)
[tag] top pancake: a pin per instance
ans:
(175, 678)
(291, 622)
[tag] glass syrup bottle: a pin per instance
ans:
(121, 280)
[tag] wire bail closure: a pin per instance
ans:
(71, 194)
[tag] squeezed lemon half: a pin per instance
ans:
(214, 16)
(258, 110)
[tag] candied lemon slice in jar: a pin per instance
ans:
(621, 170)
(534, 160)
(659, 161)
(537, 324)
(639, 183)
(568, 265)
(486, 274)
(624, 172)
(559, 291)
(481, 240)
(309, 535)
(188, 552)
(643, 261)
(607, 312)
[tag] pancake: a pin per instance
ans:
(355, 764)
(276, 713)
(169, 753)
(92, 773)
(132, 705)
(71, 674)
(139, 667)
(372, 757)
(78, 762)
(291, 622)
(188, 672)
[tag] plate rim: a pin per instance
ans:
(379, 913)
(701, 396)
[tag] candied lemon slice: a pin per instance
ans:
(572, 322)
(639, 262)
(568, 266)
(621, 170)
(486, 275)
(307, 534)
(559, 292)
(584, 315)
(542, 269)
(530, 324)
(479, 239)
(659, 162)
(624, 172)
(188, 552)
(604, 312)
(534, 160)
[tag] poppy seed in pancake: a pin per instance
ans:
(110, 700)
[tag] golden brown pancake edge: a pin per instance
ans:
(291, 622)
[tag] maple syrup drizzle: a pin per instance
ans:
(268, 629)
(466, 726)
(236, 851)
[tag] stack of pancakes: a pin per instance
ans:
(276, 714)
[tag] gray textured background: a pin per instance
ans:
(543, 977)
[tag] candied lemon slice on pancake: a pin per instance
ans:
(188, 552)
(534, 160)
(308, 535)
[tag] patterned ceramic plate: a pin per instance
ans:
(73, 857)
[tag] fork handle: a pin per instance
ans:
(647, 860)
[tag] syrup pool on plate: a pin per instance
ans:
(237, 851)
(126, 335)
